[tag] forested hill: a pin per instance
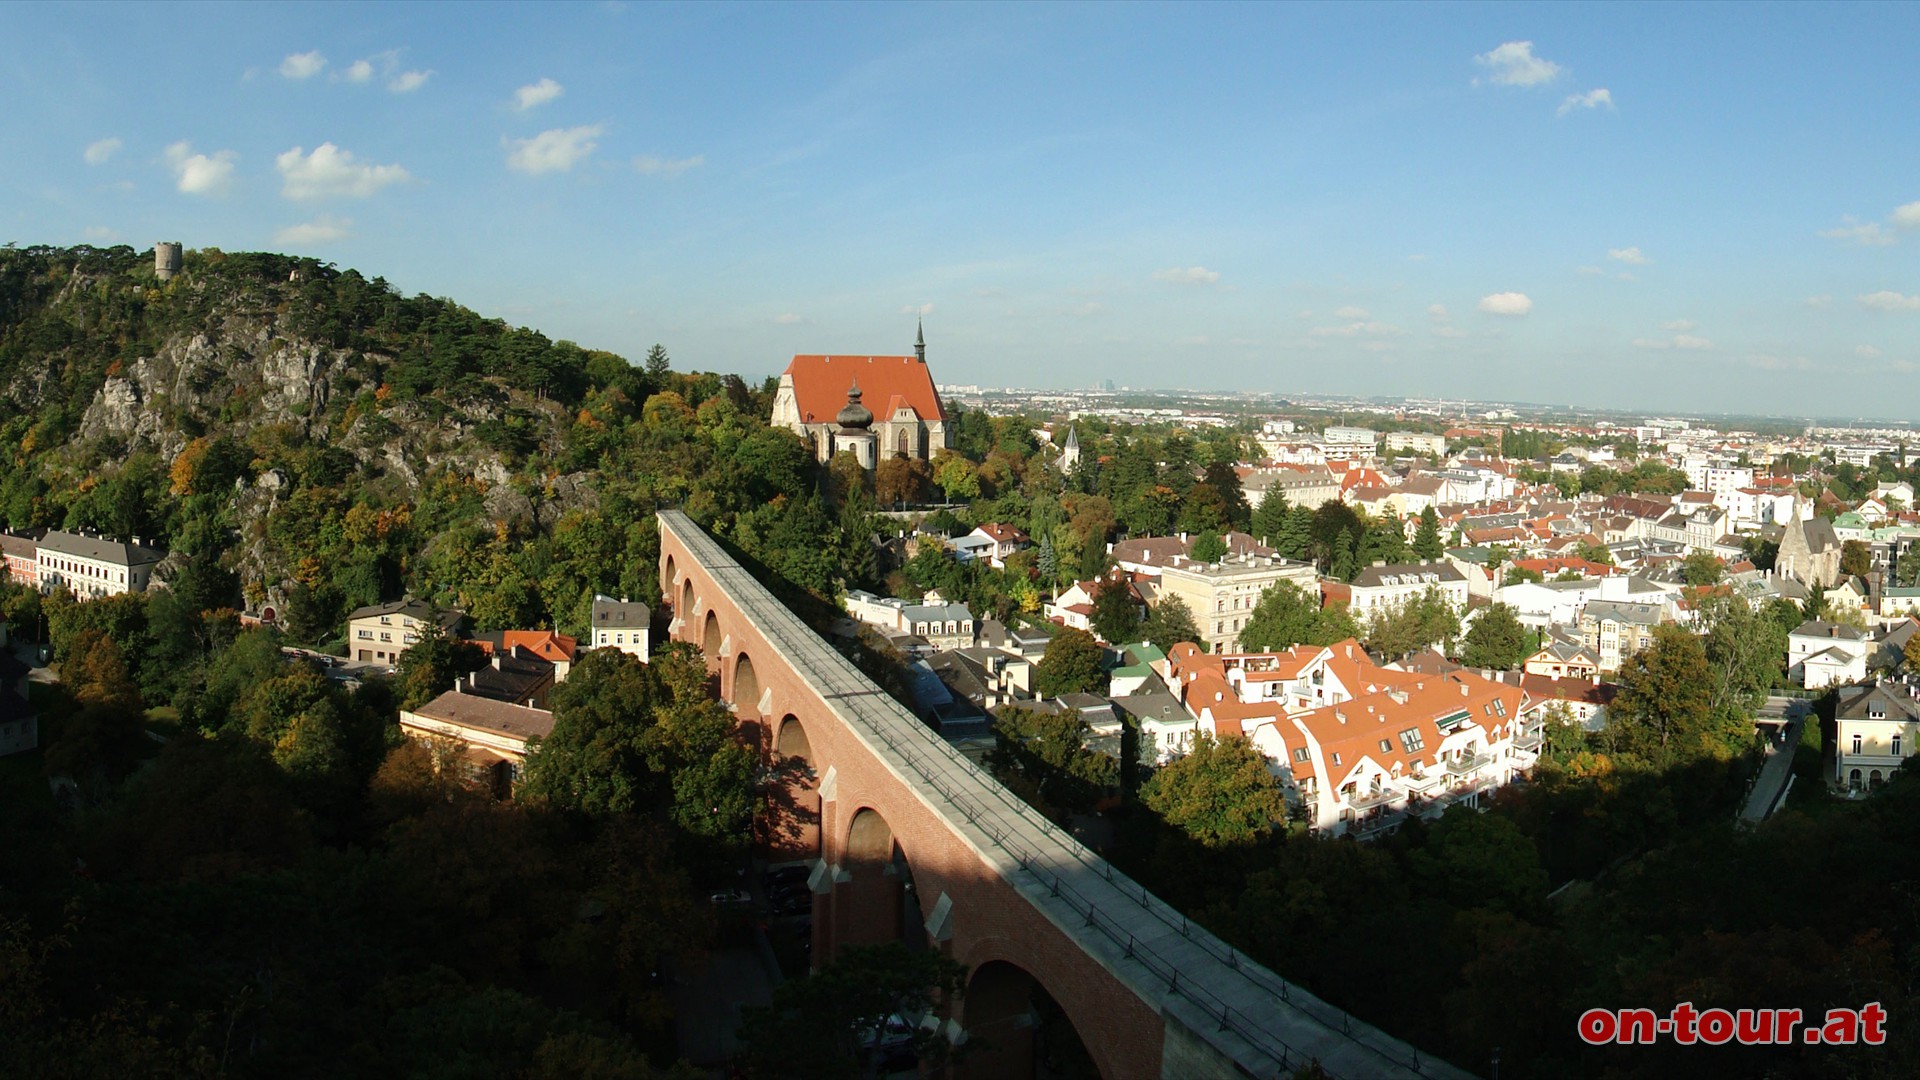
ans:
(313, 436)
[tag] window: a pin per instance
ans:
(1856, 744)
(1300, 754)
(366, 635)
(1896, 746)
(1336, 757)
(619, 639)
(384, 636)
(1386, 747)
(1499, 707)
(1413, 740)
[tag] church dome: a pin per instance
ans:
(853, 414)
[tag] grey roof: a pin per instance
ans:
(99, 548)
(1156, 705)
(1374, 577)
(1622, 611)
(419, 610)
(512, 678)
(486, 714)
(1820, 628)
(19, 547)
(1895, 698)
(611, 614)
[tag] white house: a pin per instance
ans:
(1821, 654)
(1876, 728)
(621, 624)
(92, 566)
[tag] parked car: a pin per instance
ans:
(730, 897)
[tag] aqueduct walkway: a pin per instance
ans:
(912, 841)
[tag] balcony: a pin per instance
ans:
(1371, 798)
(1376, 824)
(1466, 765)
(1530, 742)
(1423, 784)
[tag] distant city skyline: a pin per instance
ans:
(1693, 208)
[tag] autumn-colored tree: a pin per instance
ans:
(1220, 793)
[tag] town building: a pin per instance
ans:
(905, 417)
(91, 566)
(515, 676)
(1558, 658)
(1875, 728)
(621, 624)
(1616, 630)
(1221, 595)
(1416, 442)
(1822, 654)
(485, 740)
(1387, 584)
(557, 650)
(1809, 551)
(23, 558)
(380, 633)
(940, 624)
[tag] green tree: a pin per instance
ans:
(429, 667)
(1208, 547)
(1270, 518)
(1664, 711)
(657, 364)
(821, 1027)
(1071, 664)
(1295, 539)
(1496, 640)
(1170, 622)
(1856, 558)
(1220, 793)
(593, 760)
(1045, 753)
(1284, 616)
(1426, 538)
(1116, 618)
(1413, 623)
(1702, 568)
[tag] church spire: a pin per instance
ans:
(920, 339)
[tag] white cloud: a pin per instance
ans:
(1691, 341)
(1506, 303)
(1197, 339)
(1438, 311)
(1632, 256)
(1624, 276)
(1869, 234)
(789, 318)
(1590, 271)
(1819, 301)
(1350, 312)
(558, 150)
(917, 309)
(1908, 216)
(1087, 310)
(1677, 326)
(1449, 332)
(1592, 99)
(1358, 330)
(321, 230)
(330, 171)
(534, 94)
(1192, 275)
(359, 71)
(408, 81)
(1513, 64)
(653, 166)
(200, 174)
(99, 232)
(302, 65)
(1866, 352)
(1886, 300)
(98, 153)
(1651, 343)
(1766, 362)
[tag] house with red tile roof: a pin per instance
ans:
(906, 418)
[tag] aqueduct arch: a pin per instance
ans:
(875, 900)
(746, 687)
(713, 642)
(793, 825)
(686, 603)
(1017, 1031)
(669, 574)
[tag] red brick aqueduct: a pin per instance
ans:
(909, 841)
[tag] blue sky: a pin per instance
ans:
(1699, 207)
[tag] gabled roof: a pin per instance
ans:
(820, 385)
(486, 714)
(99, 549)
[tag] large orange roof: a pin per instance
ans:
(887, 383)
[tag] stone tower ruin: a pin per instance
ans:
(166, 259)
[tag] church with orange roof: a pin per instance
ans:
(874, 407)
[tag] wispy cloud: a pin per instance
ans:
(917, 309)
(1866, 352)
(1887, 300)
(534, 95)
(1351, 312)
(1632, 256)
(1865, 233)
(1513, 64)
(1367, 329)
(790, 318)
(321, 230)
(1592, 99)
(359, 71)
(302, 65)
(558, 150)
(1506, 303)
(97, 153)
(1816, 302)
(1191, 275)
(653, 166)
(1689, 342)
(200, 174)
(1908, 216)
(1677, 326)
(408, 81)
(331, 172)
(100, 233)
(1437, 312)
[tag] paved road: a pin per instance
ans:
(707, 1003)
(1770, 788)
